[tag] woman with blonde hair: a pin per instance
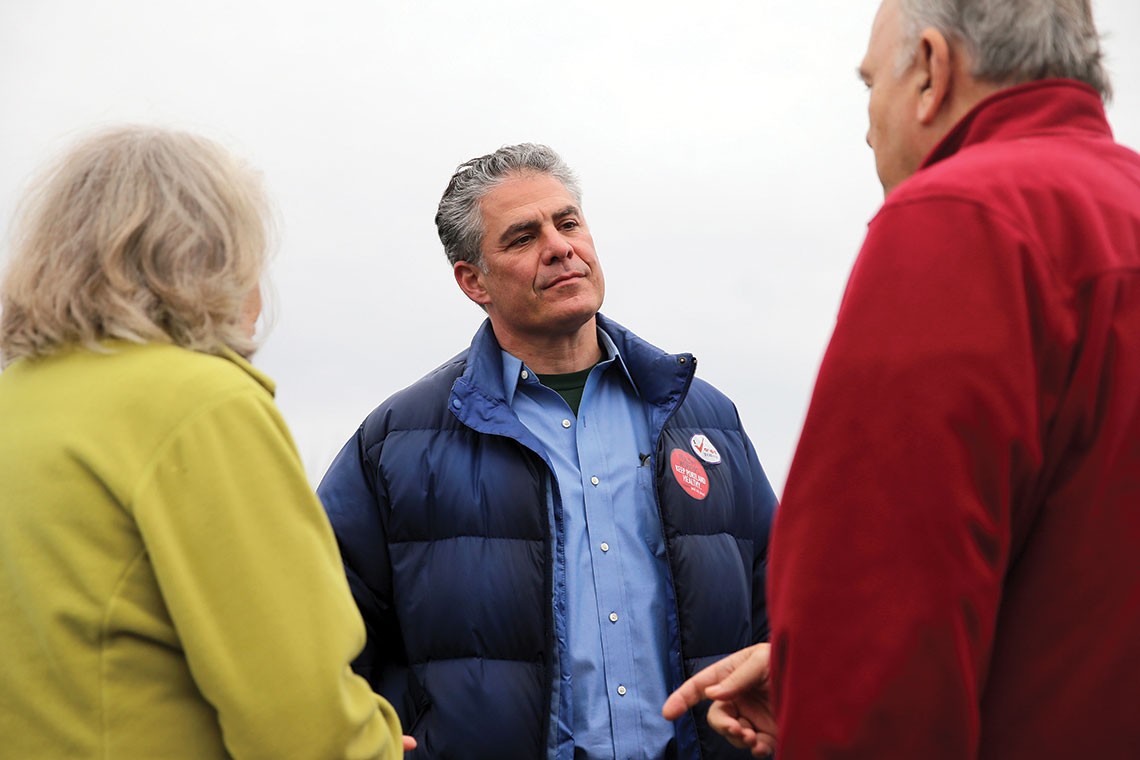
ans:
(169, 584)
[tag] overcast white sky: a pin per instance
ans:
(719, 145)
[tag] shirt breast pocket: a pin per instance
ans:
(644, 477)
(648, 516)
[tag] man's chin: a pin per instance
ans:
(570, 317)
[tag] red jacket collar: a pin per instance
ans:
(1047, 106)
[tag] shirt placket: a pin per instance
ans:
(605, 554)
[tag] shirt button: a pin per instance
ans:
(595, 480)
(613, 617)
(524, 374)
(566, 423)
(605, 546)
(621, 691)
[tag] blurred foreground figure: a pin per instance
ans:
(955, 568)
(169, 586)
(528, 530)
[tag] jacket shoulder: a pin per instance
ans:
(178, 381)
(706, 405)
(1041, 193)
(988, 173)
(420, 406)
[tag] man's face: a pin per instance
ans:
(893, 133)
(542, 275)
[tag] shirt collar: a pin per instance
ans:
(513, 367)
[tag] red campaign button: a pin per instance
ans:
(689, 473)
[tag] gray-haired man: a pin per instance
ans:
(530, 528)
(955, 570)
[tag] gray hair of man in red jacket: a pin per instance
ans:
(1013, 41)
(930, 62)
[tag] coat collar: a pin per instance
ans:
(262, 379)
(1049, 106)
(661, 378)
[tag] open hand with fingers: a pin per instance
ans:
(741, 709)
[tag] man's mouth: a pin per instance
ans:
(564, 278)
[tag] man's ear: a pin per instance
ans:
(934, 74)
(470, 280)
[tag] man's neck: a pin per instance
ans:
(554, 354)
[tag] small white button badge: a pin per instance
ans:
(704, 448)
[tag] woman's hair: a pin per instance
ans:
(141, 234)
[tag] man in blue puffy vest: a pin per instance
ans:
(531, 529)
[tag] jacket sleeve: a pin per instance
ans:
(249, 571)
(763, 508)
(891, 543)
(355, 505)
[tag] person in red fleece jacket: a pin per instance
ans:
(955, 570)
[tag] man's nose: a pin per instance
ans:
(555, 247)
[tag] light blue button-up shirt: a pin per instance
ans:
(616, 572)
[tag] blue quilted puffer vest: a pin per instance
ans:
(440, 503)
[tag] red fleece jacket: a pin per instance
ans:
(955, 570)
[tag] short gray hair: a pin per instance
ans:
(1014, 41)
(459, 219)
(141, 234)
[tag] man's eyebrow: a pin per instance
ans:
(529, 225)
(568, 211)
(864, 77)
